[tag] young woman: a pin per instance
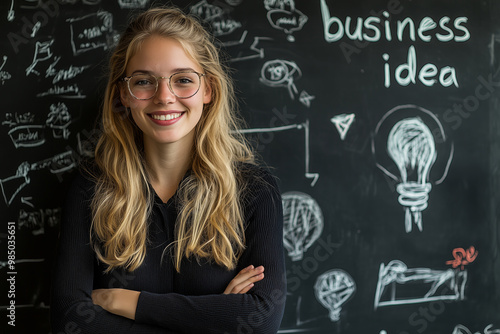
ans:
(171, 229)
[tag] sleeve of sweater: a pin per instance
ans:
(258, 311)
(72, 310)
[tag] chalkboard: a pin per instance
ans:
(381, 120)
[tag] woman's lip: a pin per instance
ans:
(164, 118)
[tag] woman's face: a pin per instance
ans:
(165, 118)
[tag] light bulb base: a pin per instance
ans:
(413, 196)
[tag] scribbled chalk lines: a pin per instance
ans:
(305, 127)
(441, 284)
(4, 75)
(302, 223)
(11, 13)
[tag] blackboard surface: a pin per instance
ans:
(380, 118)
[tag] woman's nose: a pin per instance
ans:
(164, 94)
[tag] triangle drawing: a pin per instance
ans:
(343, 123)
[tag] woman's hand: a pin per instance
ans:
(245, 280)
(117, 301)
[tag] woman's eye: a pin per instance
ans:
(184, 81)
(143, 82)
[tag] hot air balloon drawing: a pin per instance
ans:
(333, 289)
(302, 223)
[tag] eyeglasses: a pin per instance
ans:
(183, 85)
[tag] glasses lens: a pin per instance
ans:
(185, 84)
(143, 86)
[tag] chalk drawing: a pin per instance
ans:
(27, 135)
(412, 147)
(398, 285)
(12, 185)
(281, 73)
(283, 15)
(42, 53)
(333, 289)
(461, 329)
(132, 4)
(302, 223)
(253, 51)
(37, 221)
(463, 257)
(343, 123)
(58, 120)
(11, 14)
(4, 75)
(305, 127)
(220, 20)
(305, 98)
(91, 32)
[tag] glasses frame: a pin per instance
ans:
(127, 80)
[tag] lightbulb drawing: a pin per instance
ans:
(411, 146)
(332, 289)
(302, 223)
(413, 137)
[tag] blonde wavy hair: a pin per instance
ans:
(210, 222)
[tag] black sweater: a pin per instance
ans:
(187, 302)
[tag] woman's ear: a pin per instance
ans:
(207, 94)
(124, 96)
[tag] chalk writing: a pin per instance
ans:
(375, 28)
(72, 91)
(64, 74)
(37, 221)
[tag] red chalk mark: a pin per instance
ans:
(463, 257)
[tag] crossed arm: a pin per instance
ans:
(123, 302)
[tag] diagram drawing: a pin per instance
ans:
(302, 223)
(301, 126)
(398, 284)
(332, 289)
